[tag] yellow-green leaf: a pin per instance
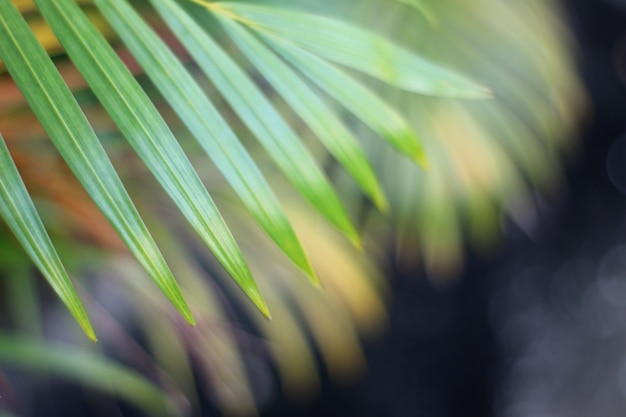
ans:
(322, 120)
(246, 99)
(356, 98)
(354, 47)
(57, 110)
(18, 211)
(148, 134)
(202, 118)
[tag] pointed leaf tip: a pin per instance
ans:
(356, 241)
(310, 273)
(262, 306)
(323, 120)
(382, 204)
(421, 160)
(188, 316)
(90, 333)
(314, 278)
(425, 165)
(253, 107)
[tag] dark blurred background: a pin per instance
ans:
(539, 327)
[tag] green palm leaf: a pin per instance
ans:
(480, 155)
(258, 114)
(17, 209)
(204, 121)
(87, 368)
(320, 118)
(146, 131)
(57, 110)
(354, 47)
(357, 98)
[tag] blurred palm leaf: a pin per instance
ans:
(137, 118)
(89, 369)
(488, 159)
(288, 87)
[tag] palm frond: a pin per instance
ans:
(485, 160)
(354, 48)
(359, 100)
(72, 135)
(256, 111)
(326, 125)
(147, 133)
(195, 109)
(18, 211)
(302, 43)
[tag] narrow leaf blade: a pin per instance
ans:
(145, 130)
(356, 98)
(306, 103)
(57, 110)
(279, 140)
(87, 368)
(354, 47)
(17, 209)
(202, 118)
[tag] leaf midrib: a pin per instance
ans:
(86, 160)
(198, 113)
(143, 128)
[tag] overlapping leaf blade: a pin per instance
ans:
(320, 118)
(18, 211)
(58, 112)
(356, 48)
(257, 113)
(147, 133)
(198, 113)
(87, 368)
(356, 98)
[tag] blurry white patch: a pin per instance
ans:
(564, 333)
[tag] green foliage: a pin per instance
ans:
(60, 115)
(300, 38)
(89, 369)
(17, 208)
(347, 106)
(354, 48)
